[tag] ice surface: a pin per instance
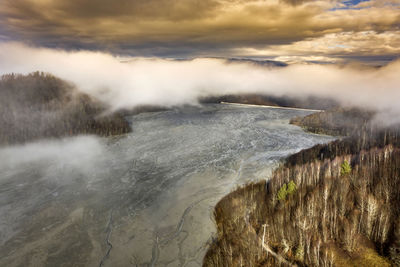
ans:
(141, 199)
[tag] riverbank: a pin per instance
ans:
(315, 211)
(335, 122)
(267, 106)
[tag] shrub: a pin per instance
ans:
(291, 188)
(345, 168)
(282, 193)
(285, 190)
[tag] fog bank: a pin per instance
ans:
(140, 81)
(81, 153)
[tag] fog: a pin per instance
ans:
(81, 153)
(127, 83)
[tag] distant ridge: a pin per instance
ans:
(261, 62)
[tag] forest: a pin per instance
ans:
(39, 105)
(310, 102)
(335, 121)
(330, 205)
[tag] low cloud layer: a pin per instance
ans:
(129, 83)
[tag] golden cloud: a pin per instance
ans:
(192, 27)
(334, 47)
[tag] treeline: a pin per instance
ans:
(331, 205)
(364, 139)
(336, 121)
(270, 100)
(39, 105)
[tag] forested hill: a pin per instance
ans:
(336, 121)
(330, 205)
(270, 100)
(39, 105)
(364, 139)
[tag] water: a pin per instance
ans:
(143, 199)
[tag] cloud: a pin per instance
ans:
(155, 81)
(335, 47)
(295, 2)
(186, 28)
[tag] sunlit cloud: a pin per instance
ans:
(182, 28)
(334, 48)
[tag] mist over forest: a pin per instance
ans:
(123, 84)
(39, 106)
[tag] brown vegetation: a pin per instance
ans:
(337, 215)
(336, 121)
(40, 105)
(269, 100)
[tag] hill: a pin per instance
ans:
(39, 105)
(270, 100)
(330, 205)
(335, 121)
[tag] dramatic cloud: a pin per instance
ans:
(192, 28)
(375, 47)
(129, 83)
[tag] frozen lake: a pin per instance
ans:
(143, 199)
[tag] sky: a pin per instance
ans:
(328, 31)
